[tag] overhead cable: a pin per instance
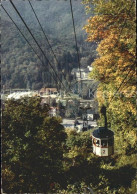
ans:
(26, 39)
(45, 35)
(37, 43)
(122, 82)
(76, 40)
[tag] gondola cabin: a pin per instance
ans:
(103, 142)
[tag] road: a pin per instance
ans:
(70, 123)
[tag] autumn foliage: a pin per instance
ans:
(113, 29)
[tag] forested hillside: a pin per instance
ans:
(20, 66)
(38, 155)
(55, 16)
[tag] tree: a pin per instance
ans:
(19, 59)
(31, 147)
(113, 28)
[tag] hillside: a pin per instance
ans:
(20, 67)
(55, 16)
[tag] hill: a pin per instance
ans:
(55, 16)
(20, 66)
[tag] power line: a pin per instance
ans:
(45, 35)
(37, 43)
(75, 39)
(25, 39)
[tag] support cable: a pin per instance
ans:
(37, 43)
(55, 78)
(122, 83)
(26, 40)
(45, 35)
(120, 31)
(76, 41)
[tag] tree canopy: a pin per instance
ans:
(32, 149)
(113, 28)
(38, 156)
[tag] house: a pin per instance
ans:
(90, 68)
(42, 91)
(48, 91)
(84, 72)
(90, 117)
(53, 112)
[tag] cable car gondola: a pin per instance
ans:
(103, 139)
(103, 142)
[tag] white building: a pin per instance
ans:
(90, 68)
(18, 95)
(90, 117)
(53, 112)
(83, 71)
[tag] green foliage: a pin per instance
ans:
(36, 157)
(78, 147)
(53, 165)
(20, 66)
(83, 171)
(31, 146)
(113, 27)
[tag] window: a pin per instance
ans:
(94, 141)
(97, 143)
(110, 142)
(103, 143)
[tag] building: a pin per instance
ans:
(90, 116)
(83, 71)
(18, 95)
(53, 112)
(48, 91)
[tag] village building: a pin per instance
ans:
(53, 111)
(48, 91)
(18, 95)
(83, 71)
